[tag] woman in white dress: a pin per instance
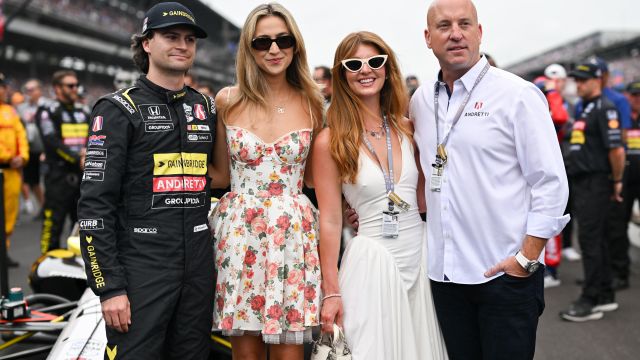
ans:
(380, 295)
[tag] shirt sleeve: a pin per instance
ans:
(541, 164)
(21, 139)
(100, 194)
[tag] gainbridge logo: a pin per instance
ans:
(180, 163)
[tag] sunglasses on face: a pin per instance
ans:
(374, 63)
(263, 43)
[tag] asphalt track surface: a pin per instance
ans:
(614, 337)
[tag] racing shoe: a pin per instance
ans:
(581, 310)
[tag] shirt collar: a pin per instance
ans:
(469, 78)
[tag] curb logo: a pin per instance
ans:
(111, 353)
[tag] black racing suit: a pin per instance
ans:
(143, 218)
(595, 132)
(64, 130)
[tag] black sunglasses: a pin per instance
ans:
(375, 62)
(262, 43)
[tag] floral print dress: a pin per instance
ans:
(266, 241)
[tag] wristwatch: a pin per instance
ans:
(529, 266)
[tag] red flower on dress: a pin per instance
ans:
(249, 258)
(227, 323)
(283, 222)
(257, 302)
(275, 312)
(293, 316)
(309, 293)
(275, 189)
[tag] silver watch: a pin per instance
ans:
(529, 266)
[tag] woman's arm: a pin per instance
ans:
(328, 190)
(219, 168)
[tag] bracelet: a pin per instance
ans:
(331, 296)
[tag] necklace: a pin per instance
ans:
(376, 134)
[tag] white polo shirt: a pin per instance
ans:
(504, 177)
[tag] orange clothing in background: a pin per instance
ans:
(13, 142)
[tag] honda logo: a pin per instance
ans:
(154, 110)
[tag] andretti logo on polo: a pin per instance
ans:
(180, 163)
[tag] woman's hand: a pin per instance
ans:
(331, 313)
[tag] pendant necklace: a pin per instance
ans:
(376, 133)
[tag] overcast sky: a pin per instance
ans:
(513, 29)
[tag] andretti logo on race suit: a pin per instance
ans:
(179, 164)
(179, 183)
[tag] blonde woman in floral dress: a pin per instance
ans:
(266, 230)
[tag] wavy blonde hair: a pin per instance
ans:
(345, 114)
(252, 84)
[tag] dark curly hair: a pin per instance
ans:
(140, 57)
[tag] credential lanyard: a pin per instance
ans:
(388, 178)
(441, 145)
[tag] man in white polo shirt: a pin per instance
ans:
(496, 191)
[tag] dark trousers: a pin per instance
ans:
(619, 217)
(591, 196)
(62, 191)
(491, 321)
(567, 232)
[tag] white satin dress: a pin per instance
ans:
(388, 308)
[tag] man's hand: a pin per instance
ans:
(16, 162)
(509, 266)
(617, 191)
(83, 157)
(351, 218)
(117, 313)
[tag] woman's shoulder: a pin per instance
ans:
(224, 96)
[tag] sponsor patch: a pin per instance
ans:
(199, 228)
(158, 127)
(96, 140)
(155, 112)
(91, 224)
(579, 125)
(91, 164)
(199, 137)
(179, 183)
(478, 105)
(180, 163)
(577, 134)
(145, 230)
(74, 130)
(124, 103)
(93, 176)
(197, 127)
(198, 112)
(612, 115)
(75, 141)
(66, 117)
(188, 112)
(614, 124)
(476, 113)
(97, 153)
(178, 200)
(97, 124)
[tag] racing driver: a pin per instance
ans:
(145, 197)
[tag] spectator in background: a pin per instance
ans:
(206, 88)
(190, 80)
(14, 154)
(596, 164)
(412, 84)
(63, 125)
(619, 220)
(491, 60)
(322, 77)
(27, 111)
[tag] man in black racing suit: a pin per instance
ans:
(145, 198)
(63, 127)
